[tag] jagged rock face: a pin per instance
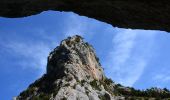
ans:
(136, 14)
(73, 73)
(75, 57)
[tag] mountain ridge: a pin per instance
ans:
(75, 73)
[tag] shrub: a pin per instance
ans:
(95, 85)
(105, 97)
(108, 81)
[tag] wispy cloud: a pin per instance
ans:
(80, 25)
(129, 56)
(162, 77)
(75, 25)
(34, 54)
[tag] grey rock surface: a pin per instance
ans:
(135, 14)
(73, 73)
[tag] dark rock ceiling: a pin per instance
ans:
(135, 14)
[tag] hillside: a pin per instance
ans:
(75, 73)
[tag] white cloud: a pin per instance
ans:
(34, 54)
(161, 77)
(74, 25)
(81, 25)
(130, 55)
(123, 43)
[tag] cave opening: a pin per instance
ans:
(138, 58)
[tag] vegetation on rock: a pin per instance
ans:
(71, 73)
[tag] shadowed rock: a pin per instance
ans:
(135, 14)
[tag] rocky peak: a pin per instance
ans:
(75, 57)
(74, 73)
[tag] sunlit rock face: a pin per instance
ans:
(136, 14)
(74, 57)
(73, 73)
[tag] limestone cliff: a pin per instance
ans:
(136, 14)
(74, 73)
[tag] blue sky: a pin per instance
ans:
(138, 58)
